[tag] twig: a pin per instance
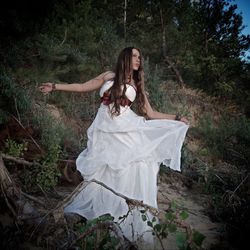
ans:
(129, 201)
(106, 224)
(61, 205)
(33, 198)
(38, 54)
(187, 228)
(46, 215)
(69, 198)
(19, 118)
(28, 217)
(220, 179)
(64, 38)
(24, 129)
(241, 156)
(122, 218)
(67, 161)
(159, 238)
(20, 160)
(45, 195)
(7, 202)
(238, 186)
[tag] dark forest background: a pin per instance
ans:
(194, 55)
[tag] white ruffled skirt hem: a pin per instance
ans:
(124, 153)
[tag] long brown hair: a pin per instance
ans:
(124, 73)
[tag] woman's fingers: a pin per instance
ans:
(45, 88)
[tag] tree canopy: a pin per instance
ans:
(202, 39)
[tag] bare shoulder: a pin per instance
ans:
(105, 76)
(108, 75)
(99, 80)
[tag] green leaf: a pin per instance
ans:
(180, 239)
(169, 216)
(164, 235)
(198, 238)
(154, 219)
(173, 205)
(184, 215)
(157, 227)
(144, 217)
(164, 227)
(150, 224)
(106, 217)
(172, 228)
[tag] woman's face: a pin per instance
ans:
(136, 59)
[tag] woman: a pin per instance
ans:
(124, 150)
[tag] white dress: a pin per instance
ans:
(124, 152)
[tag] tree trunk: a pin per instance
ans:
(14, 198)
(125, 19)
(164, 51)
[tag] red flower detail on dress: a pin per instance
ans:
(106, 100)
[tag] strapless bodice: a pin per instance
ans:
(130, 91)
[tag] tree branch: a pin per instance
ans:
(20, 160)
(103, 225)
(24, 129)
(129, 201)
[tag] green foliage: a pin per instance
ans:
(43, 177)
(171, 225)
(181, 240)
(13, 98)
(52, 132)
(154, 85)
(48, 174)
(198, 238)
(183, 215)
(229, 138)
(98, 239)
(15, 149)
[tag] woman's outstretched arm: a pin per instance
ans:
(88, 86)
(152, 114)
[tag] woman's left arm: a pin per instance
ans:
(152, 114)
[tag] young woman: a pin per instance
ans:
(124, 150)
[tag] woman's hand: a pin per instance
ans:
(46, 87)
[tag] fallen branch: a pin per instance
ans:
(82, 185)
(175, 70)
(6, 181)
(7, 202)
(103, 225)
(33, 199)
(14, 197)
(20, 160)
(58, 212)
(25, 130)
(67, 161)
(129, 201)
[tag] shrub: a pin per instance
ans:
(228, 139)
(15, 149)
(13, 98)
